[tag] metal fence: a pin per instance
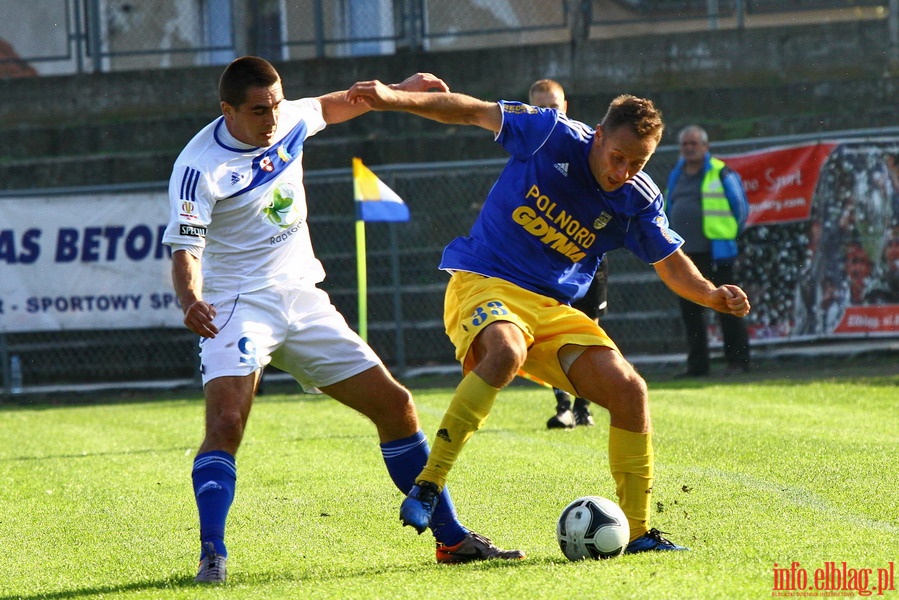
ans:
(405, 289)
(710, 10)
(48, 37)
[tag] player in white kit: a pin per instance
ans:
(245, 273)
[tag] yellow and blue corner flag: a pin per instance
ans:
(374, 200)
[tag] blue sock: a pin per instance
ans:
(405, 458)
(214, 476)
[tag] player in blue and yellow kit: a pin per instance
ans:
(568, 195)
(548, 93)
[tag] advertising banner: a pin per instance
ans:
(85, 261)
(821, 249)
(820, 256)
(780, 183)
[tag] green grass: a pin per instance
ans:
(95, 500)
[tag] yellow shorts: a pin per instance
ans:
(474, 301)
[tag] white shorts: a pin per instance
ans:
(297, 331)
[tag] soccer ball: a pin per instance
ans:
(592, 527)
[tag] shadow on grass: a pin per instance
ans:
(98, 591)
(238, 580)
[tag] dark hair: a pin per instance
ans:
(640, 114)
(242, 74)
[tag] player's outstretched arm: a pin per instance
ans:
(684, 279)
(457, 109)
(336, 108)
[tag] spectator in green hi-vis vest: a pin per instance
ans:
(707, 206)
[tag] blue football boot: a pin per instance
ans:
(652, 541)
(418, 507)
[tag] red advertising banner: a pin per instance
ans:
(869, 319)
(780, 183)
(820, 254)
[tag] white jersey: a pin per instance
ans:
(245, 208)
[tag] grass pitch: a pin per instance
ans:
(95, 500)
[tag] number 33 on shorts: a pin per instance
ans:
(483, 313)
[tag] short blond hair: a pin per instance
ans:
(545, 86)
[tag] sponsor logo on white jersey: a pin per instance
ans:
(281, 209)
(188, 210)
(192, 230)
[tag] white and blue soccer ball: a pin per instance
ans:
(592, 527)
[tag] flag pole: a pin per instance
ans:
(374, 202)
(362, 277)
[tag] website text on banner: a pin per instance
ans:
(85, 262)
(822, 241)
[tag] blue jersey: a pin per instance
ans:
(546, 223)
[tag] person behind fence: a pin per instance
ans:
(548, 93)
(707, 205)
(568, 194)
(245, 274)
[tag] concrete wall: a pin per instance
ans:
(712, 59)
(754, 82)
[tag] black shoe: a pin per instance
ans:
(583, 417)
(564, 419)
(563, 399)
(582, 414)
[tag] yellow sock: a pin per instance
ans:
(466, 414)
(631, 463)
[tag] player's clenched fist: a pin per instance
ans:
(421, 82)
(373, 93)
(379, 96)
(198, 318)
(736, 300)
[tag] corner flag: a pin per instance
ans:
(374, 200)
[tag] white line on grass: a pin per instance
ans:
(796, 495)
